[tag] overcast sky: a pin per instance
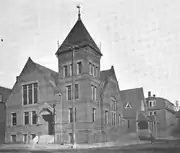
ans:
(140, 38)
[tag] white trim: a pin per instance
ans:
(128, 104)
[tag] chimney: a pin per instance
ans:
(154, 95)
(149, 93)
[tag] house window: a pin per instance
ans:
(114, 118)
(93, 91)
(93, 114)
(26, 118)
(70, 70)
(96, 71)
(113, 104)
(1, 97)
(68, 91)
(150, 113)
(76, 91)
(152, 103)
(30, 93)
(65, 71)
(128, 105)
(90, 68)
(106, 116)
(79, 68)
(70, 115)
(35, 85)
(13, 119)
(93, 70)
(13, 138)
(34, 117)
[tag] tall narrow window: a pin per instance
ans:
(68, 91)
(76, 91)
(34, 117)
(25, 94)
(70, 69)
(65, 71)
(13, 119)
(26, 118)
(90, 67)
(112, 117)
(30, 93)
(119, 120)
(70, 115)
(93, 114)
(93, 91)
(35, 93)
(93, 70)
(79, 68)
(96, 71)
(106, 116)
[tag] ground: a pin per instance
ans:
(157, 147)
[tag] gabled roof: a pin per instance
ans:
(50, 75)
(5, 92)
(131, 93)
(78, 36)
(108, 73)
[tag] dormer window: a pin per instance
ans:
(79, 68)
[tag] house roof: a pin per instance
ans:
(78, 36)
(108, 73)
(142, 117)
(5, 92)
(131, 93)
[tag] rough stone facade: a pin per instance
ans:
(89, 128)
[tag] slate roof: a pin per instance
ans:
(78, 36)
(5, 92)
(108, 73)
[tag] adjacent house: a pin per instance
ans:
(47, 103)
(165, 113)
(4, 94)
(133, 102)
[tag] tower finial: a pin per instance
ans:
(79, 12)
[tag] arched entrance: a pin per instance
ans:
(46, 112)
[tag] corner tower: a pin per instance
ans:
(86, 52)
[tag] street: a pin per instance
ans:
(159, 147)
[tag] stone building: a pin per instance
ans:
(42, 100)
(4, 94)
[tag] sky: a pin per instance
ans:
(139, 37)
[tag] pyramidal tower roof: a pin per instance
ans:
(78, 36)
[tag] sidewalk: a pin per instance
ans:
(67, 146)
